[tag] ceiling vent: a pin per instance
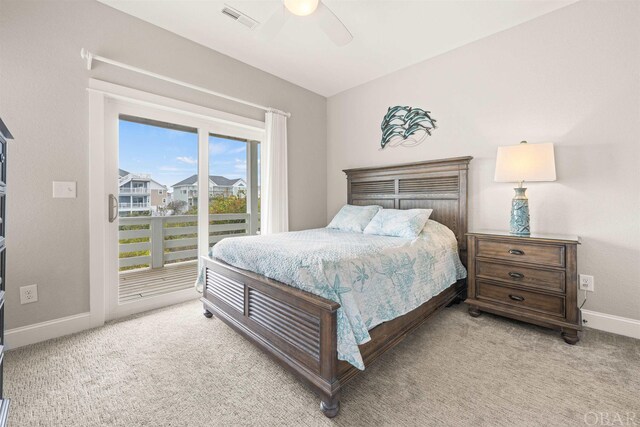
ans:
(239, 17)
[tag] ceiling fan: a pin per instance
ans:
(327, 20)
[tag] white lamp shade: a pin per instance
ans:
(525, 162)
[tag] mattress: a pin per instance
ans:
(374, 278)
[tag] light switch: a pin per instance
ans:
(64, 189)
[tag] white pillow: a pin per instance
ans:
(353, 218)
(406, 223)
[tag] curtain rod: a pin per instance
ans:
(90, 57)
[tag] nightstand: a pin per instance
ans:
(529, 278)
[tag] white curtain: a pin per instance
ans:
(275, 194)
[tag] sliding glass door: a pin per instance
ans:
(176, 185)
(157, 235)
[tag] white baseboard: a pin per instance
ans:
(159, 301)
(610, 323)
(31, 334)
(50, 329)
(43, 331)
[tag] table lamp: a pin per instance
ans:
(520, 163)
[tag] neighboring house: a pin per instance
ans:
(187, 189)
(140, 193)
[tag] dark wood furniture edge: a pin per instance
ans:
(274, 352)
(328, 375)
(320, 376)
(569, 325)
(525, 239)
(539, 320)
(4, 411)
(5, 135)
(457, 162)
(310, 298)
(5, 131)
(384, 337)
(455, 217)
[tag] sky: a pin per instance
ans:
(170, 156)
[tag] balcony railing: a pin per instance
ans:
(141, 176)
(225, 191)
(135, 205)
(154, 241)
(136, 190)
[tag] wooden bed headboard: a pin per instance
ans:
(440, 185)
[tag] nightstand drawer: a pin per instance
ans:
(548, 255)
(524, 276)
(547, 304)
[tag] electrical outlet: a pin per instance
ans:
(586, 283)
(28, 294)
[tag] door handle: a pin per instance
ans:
(514, 275)
(516, 252)
(113, 208)
(516, 297)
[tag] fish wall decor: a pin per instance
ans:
(406, 126)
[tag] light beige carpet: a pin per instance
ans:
(173, 367)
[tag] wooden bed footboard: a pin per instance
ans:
(296, 328)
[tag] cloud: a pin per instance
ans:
(241, 165)
(220, 147)
(217, 148)
(186, 159)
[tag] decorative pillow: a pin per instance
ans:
(353, 218)
(399, 223)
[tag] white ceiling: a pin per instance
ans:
(388, 35)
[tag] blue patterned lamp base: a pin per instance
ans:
(520, 213)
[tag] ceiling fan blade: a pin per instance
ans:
(332, 26)
(274, 24)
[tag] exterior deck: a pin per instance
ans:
(158, 254)
(147, 282)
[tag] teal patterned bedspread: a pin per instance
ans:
(373, 278)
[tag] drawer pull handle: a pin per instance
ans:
(516, 297)
(516, 252)
(516, 275)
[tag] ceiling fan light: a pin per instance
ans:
(301, 7)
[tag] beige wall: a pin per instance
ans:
(572, 78)
(44, 103)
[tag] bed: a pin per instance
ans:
(307, 332)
